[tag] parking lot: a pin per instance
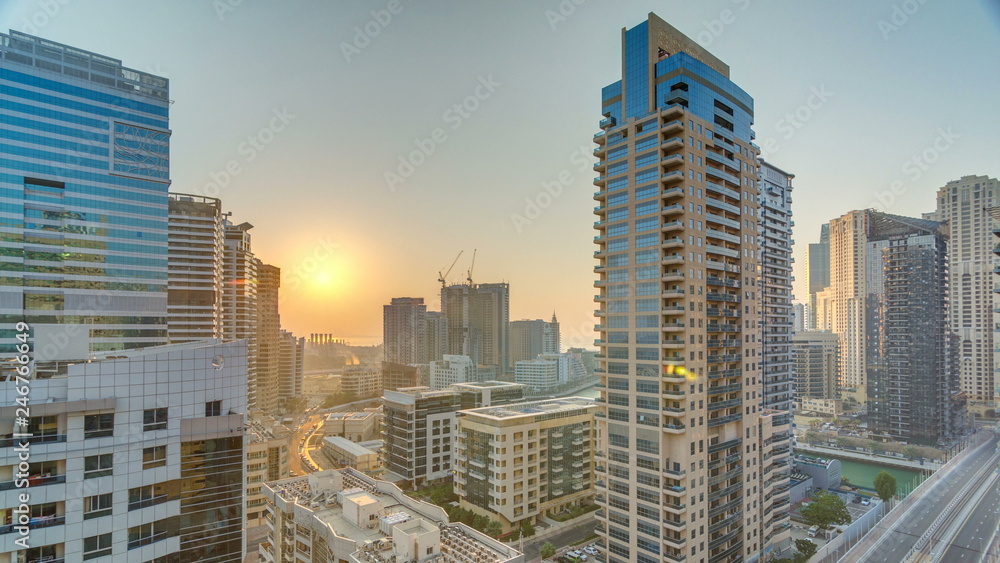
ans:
(573, 554)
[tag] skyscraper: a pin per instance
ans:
(775, 241)
(195, 277)
(84, 195)
(291, 366)
(403, 330)
(913, 394)
(125, 434)
(239, 298)
(682, 424)
(964, 205)
(817, 272)
(857, 286)
(815, 356)
(268, 358)
(529, 338)
(478, 317)
(435, 336)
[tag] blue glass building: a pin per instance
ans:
(84, 173)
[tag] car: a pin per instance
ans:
(813, 531)
(857, 500)
(591, 550)
(575, 553)
(866, 502)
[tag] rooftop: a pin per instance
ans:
(486, 384)
(565, 406)
(323, 493)
(349, 446)
(104, 71)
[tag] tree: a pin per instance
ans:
(911, 452)
(494, 529)
(527, 530)
(826, 509)
(815, 423)
(885, 485)
(872, 446)
(480, 522)
(548, 550)
(812, 437)
(805, 548)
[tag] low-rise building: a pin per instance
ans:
(355, 426)
(825, 473)
(345, 453)
(516, 462)
(361, 381)
(825, 407)
(346, 516)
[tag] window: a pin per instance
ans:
(98, 425)
(213, 408)
(97, 506)
(142, 534)
(148, 495)
(96, 546)
(97, 466)
(154, 457)
(154, 419)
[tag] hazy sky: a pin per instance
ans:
(312, 103)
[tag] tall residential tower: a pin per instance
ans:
(964, 205)
(679, 278)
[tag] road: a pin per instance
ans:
(977, 528)
(565, 538)
(891, 545)
(298, 441)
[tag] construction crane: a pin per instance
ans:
(468, 277)
(441, 277)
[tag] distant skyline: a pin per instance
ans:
(369, 146)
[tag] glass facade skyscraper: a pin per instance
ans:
(691, 464)
(84, 172)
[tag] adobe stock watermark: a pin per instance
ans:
(47, 11)
(249, 149)
(794, 120)
(899, 17)
(714, 28)
(563, 11)
(915, 167)
(365, 34)
(551, 190)
(223, 7)
(454, 116)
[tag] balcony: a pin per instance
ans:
(672, 428)
(673, 209)
(608, 122)
(672, 226)
(671, 177)
(672, 143)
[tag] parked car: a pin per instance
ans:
(591, 550)
(866, 502)
(857, 500)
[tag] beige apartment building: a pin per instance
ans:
(690, 467)
(517, 462)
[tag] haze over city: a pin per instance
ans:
(893, 98)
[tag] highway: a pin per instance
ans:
(978, 527)
(894, 537)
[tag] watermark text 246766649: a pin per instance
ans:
(21, 438)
